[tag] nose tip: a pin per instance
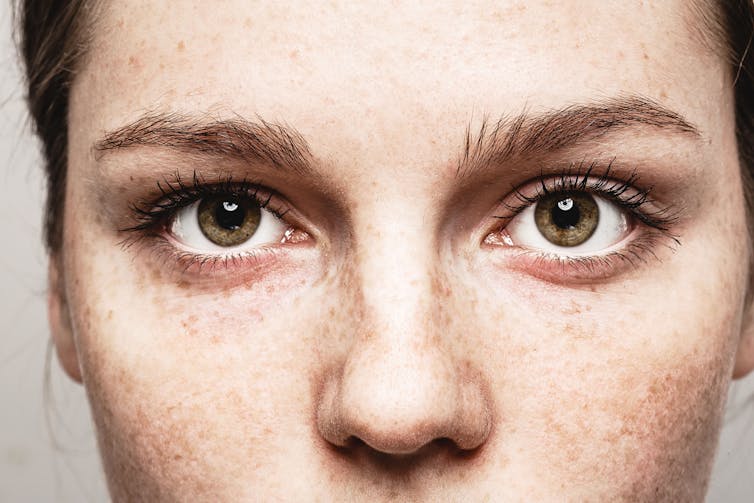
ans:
(399, 409)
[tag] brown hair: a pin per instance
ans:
(54, 34)
(735, 29)
(52, 39)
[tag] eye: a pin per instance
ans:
(569, 223)
(226, 222)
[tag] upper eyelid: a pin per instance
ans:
(661, 217)
(155, 212)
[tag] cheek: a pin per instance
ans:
(188, 388)
(612, 390)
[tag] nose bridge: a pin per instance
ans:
(395, 265)
(396, 353)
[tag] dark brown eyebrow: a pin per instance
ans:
(495, 143)
(261, 141)
(526, 134)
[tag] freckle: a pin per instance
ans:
(156, 275)
(181, 45)
(133, 61)
(247, 22)
(157, 301)
(183, 285)
(646, 56)
(110, 314)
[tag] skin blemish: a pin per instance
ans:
(135, 62)
(574, 308)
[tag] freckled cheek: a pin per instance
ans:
(623, 385)
(172, 371)
(650, 414)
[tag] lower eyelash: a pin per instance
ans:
(590, 267)
(161, 251)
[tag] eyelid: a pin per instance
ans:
(156, 214)
(624, 192)
(653, 227)
(152, 219)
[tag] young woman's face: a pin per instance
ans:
(455, 251)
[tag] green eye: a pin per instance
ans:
(228, 221)
(567, 218)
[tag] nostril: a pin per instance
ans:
(441, 450)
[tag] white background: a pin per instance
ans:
(47, 445)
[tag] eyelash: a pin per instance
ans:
(177, 195)
(637, 202)
(153, 218)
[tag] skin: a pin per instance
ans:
(393, 351)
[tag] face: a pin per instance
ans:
(430, 252)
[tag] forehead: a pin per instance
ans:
(352, 70)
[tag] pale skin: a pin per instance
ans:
(397, 344)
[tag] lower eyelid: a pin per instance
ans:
(179, 266)
(635, 251)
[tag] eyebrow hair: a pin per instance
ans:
(260, 140)
(496, 143)
(527, 134)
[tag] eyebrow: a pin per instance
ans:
(281, 146)
(496, 143)
(526, 134)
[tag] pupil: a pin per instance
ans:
(566, 214)
(230, 215)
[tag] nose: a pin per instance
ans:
(397, 404)
(401, 384)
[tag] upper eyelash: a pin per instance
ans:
(178, 194)
(579, 177)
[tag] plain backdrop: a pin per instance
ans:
(47, 446)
